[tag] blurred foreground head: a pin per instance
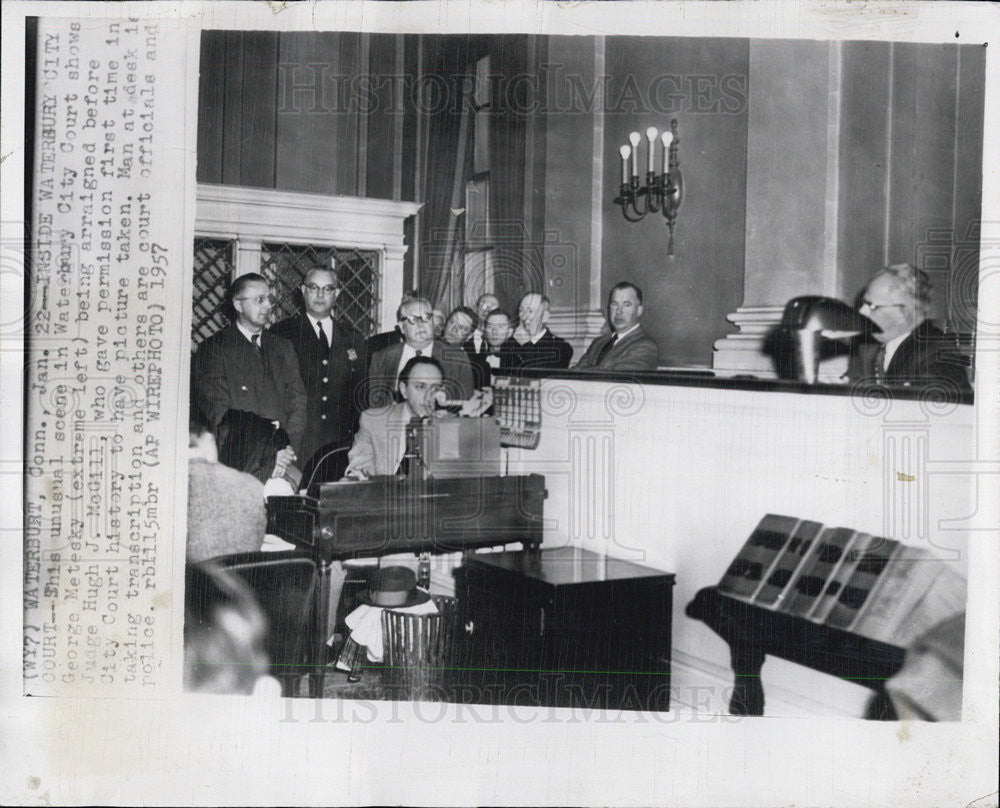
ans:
(224, 633)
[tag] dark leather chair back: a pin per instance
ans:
(284, 584)
(327, 465)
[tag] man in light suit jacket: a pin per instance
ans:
(380, 443)
(416, 325)
(627, 347)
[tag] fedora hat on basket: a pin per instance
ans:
(394, 588)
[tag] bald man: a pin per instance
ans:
(535, 345)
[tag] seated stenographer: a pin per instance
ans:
(380, 444)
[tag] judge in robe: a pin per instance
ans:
(909, 351)
(536, 346)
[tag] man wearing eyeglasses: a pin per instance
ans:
(245, 367)
(331, 361)
(909, 350)
(415, 322)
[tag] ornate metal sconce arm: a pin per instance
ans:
(662, 193)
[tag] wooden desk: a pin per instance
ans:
(753, 632)
(565, 627)
(392, 515)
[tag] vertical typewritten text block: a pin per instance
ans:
(104, 346)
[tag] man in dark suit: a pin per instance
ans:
(537, 347)
(627, 347)
(501, 350)
(331, 360)
(458, 330)
(485, 303)
(909, 351)
(384, 339)
(244, 367)
(416, 324)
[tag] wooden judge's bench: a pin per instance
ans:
(651, 484)
(673, 471)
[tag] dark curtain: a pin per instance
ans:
(446, 161)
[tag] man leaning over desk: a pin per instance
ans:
(627, 347)
(380, 445)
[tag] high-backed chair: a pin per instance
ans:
(326, 465)
(284, 584)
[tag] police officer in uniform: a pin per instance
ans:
(332, 363)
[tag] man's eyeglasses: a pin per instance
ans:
(326, 290)
(260, 301)
(876, 306)
(416, 319)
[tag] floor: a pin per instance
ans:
(694, 693)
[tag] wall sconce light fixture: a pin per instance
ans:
(663, 192)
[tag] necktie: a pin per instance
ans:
(878, 363)
(323, 341)
(419, 352)
(255, 340)
(606, 349)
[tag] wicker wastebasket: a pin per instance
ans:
(419, 652)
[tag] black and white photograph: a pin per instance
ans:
(585, 403)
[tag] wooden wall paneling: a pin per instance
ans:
(378, 98)
(410, 69)
(787, 153)
(211, 105)
(565, 182)
(964, 287)
(258, 125)
(310, 100)
(513, 265)
(864, 119)
(349, 139)
(921, 195)
(534, 148)
(232, 102)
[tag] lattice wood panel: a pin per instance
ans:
(213, 267)
(285, 265)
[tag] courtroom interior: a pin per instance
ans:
(626, 373)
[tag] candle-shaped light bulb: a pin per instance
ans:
(651, 134)
(635, 139)
(625, 151)
(666, 138)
